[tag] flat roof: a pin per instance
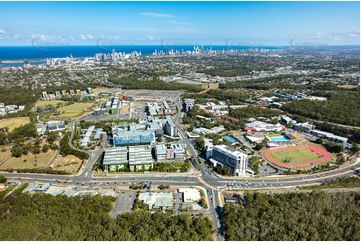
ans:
(157, 199)
(113, 156)
(161, 149)
(141, 154)
(229, 149)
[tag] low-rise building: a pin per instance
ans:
(55, 125)
(156, 128)
(157, 200)
(161, 152)
(175, 152)
(262, 126)
(140, 158)
(328, 135)
(86, 139)
(115, 159)
(304, 127)
(190, 194)
(131, 136)
(37, 187)
(285, 119)
(98, 133)
(40, 128)
(179, 152)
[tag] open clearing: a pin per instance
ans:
(73, 110)
(4, 153)
(42, 103)
(13, 123)
(298, 155)
(274, 135)
(29, 161)
(68, 163)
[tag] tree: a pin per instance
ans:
(51, 137)
(54, 146)
(36, 149)
(3, 138)
(45, 148)
(134, 187)
(355, 148)
(3, 179)
(163, 187)
(295, 216)
(16, 152)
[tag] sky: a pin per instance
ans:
(179, 23)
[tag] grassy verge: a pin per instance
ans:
(344, 182)
(19, 190)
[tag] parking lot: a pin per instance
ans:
(177, 199)
(124, 203)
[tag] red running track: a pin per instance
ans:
(326, 156)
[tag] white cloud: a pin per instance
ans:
(116, 37)
(86, 36)
(41, 36)
(320, 35)
(354, 34)
(158, 15)
(2, 31)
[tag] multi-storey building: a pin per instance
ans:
(170, 127)
(228, 156)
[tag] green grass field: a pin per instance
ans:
(4, 154)
(294, 156)
(68, 163)
(29, 161)
(13, 123)
(42, 103)
(274, 134)
(73, 110)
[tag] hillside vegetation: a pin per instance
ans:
(44, 217)
(295, 216)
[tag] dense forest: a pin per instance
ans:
(132, 82)
(233, 97)
(44, 217)
(295, 216)
(342, 108)
(253, 111)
